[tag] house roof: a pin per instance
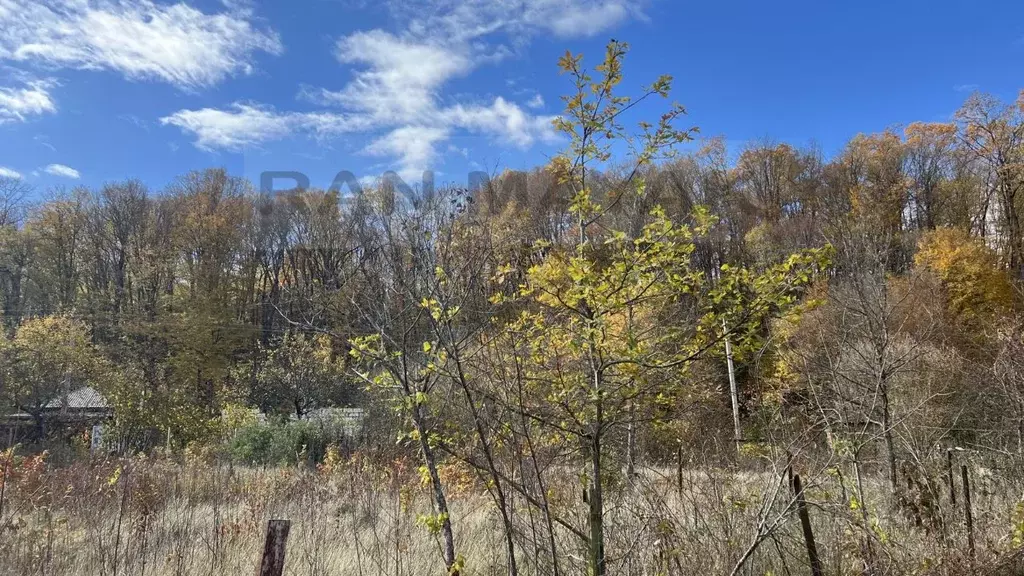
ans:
(82, 399)
(83, 402)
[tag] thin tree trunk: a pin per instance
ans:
(440, 501)
(548, 520)
(631, 443)
(870, 559)
(485, 446)
(596, 501)
(1013, 229)
(596, 491)
(733, 389)
(890, 448)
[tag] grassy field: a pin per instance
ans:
(144, 516)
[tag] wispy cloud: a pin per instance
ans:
(9, 173)
(396, 90)
(233, 129)
(62, 171)
(43, 141)
(134, 120)
(173, 43)
(469, 19)
(574, 18)
(31, 99)
(966, 87)
(400, 76)
(243, 125)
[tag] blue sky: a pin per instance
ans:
(98, 90)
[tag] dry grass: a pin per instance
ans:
(164, 517)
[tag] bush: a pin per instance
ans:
(282, 443)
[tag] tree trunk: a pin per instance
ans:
(734, 396)
(430, 460)
(12, 303)
(890, 449)
(596, 501)
(869, 556)
(1008, 197)
(596, 492)
(631, 443)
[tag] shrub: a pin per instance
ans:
(280, 443)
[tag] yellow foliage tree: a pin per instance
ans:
(977, 287)
(47, 358)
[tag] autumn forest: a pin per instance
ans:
(654, 354)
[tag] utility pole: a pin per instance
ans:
(733, 392)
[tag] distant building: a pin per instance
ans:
(77, 411)
(350, 420)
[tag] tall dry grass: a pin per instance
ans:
(188, 516)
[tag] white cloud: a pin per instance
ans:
(966, 88)
(9, 173)
(400, 87)
(62, 171)
(398, 81)
(465, 19)
(401, 76)
(413, 145)
(141, 39)
(17, 104)
(244, 125)
(464, 151)
(398, 91)
(238, 5)
(504, 120)
(578, 18)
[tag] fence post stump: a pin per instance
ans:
(679, 470)
(805, 524)
(968, 519)
(272, 560)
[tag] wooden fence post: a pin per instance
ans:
(272, 560)
(968, 519)
(805, 523)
